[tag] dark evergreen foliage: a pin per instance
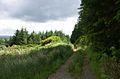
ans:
(99, 21)
(22, 37)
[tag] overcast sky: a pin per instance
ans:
(38, 15)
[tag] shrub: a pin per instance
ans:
(82, 41)
(49, 40)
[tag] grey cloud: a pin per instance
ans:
(43, 10)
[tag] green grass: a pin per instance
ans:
(94, 62)
(38, 63)
(103, 66)
(77, 62)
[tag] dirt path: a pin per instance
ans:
(87, 73)
(62, 73)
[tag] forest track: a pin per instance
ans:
(86, 70)
(62, 72)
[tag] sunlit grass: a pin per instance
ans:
(32, 62)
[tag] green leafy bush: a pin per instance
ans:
(82, 41)
(52, 39)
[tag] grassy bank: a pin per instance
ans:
(76, 67)
(39, 63)
(104, 67)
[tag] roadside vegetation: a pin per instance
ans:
(77, 64)
(33, 56)
(39, 63)
(104, 66)
(98, 30)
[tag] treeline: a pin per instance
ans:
(22, 37)
(99, 28)
(99, 21)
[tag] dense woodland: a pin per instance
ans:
(99, 22)
(98, 28)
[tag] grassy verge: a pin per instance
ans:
(103, 66)
(95, 63)
(38, 64)
(77, 62)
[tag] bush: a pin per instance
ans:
(82, 41)
(49, 40)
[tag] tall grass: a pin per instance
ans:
(16, 49)
(39, 63)
(77, 63)
(105, 67)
